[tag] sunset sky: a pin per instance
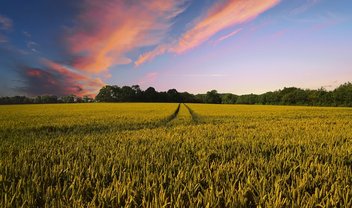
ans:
(66, 47)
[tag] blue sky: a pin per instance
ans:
(237, 46)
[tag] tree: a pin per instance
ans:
(248, 99)
(173, 96)
(343, 94)
(229, 98)
(212, 97)
(186, 97)
(293, 96)
(87, 99)
(126, 94)
(150, 94)
(138, 94)
(201, 97)
(68, 99)
(106, 94)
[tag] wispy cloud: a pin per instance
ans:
(31, 45)
(102, 35)
(222, 38)
(47, 77)
(220, 16)
(39, 76)
(26, 34)
(5, 23)
(107, 30)
(304, 7)
(159, 50)
(5, 26)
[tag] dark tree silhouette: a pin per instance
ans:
(341, 96)
(212, 97)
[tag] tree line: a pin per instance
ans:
(45, 99)
(136, 94)
(341, 96)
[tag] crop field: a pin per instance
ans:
(175, 155)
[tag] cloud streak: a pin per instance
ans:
(159, 50)
(107, 30)
(39, 75)
(222, 38)
(303, 8)
(103, 34)
(220, 16)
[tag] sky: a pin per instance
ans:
(234, 46)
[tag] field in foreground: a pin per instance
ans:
(170, 155)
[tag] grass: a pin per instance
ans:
(153, 155)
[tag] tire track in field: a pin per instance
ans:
(195, 117)
(86, 129)
(173, 115)
(56, 131)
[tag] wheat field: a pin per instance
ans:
(175, 155)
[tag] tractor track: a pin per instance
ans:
(174, 114)
(94, 128)
(195, 117)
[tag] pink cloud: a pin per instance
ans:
(103, 34)
(88, 85)
(220, 16)
(56, 79)
(109, 29)
(34, 72)
(5, 23)
(159, 50)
